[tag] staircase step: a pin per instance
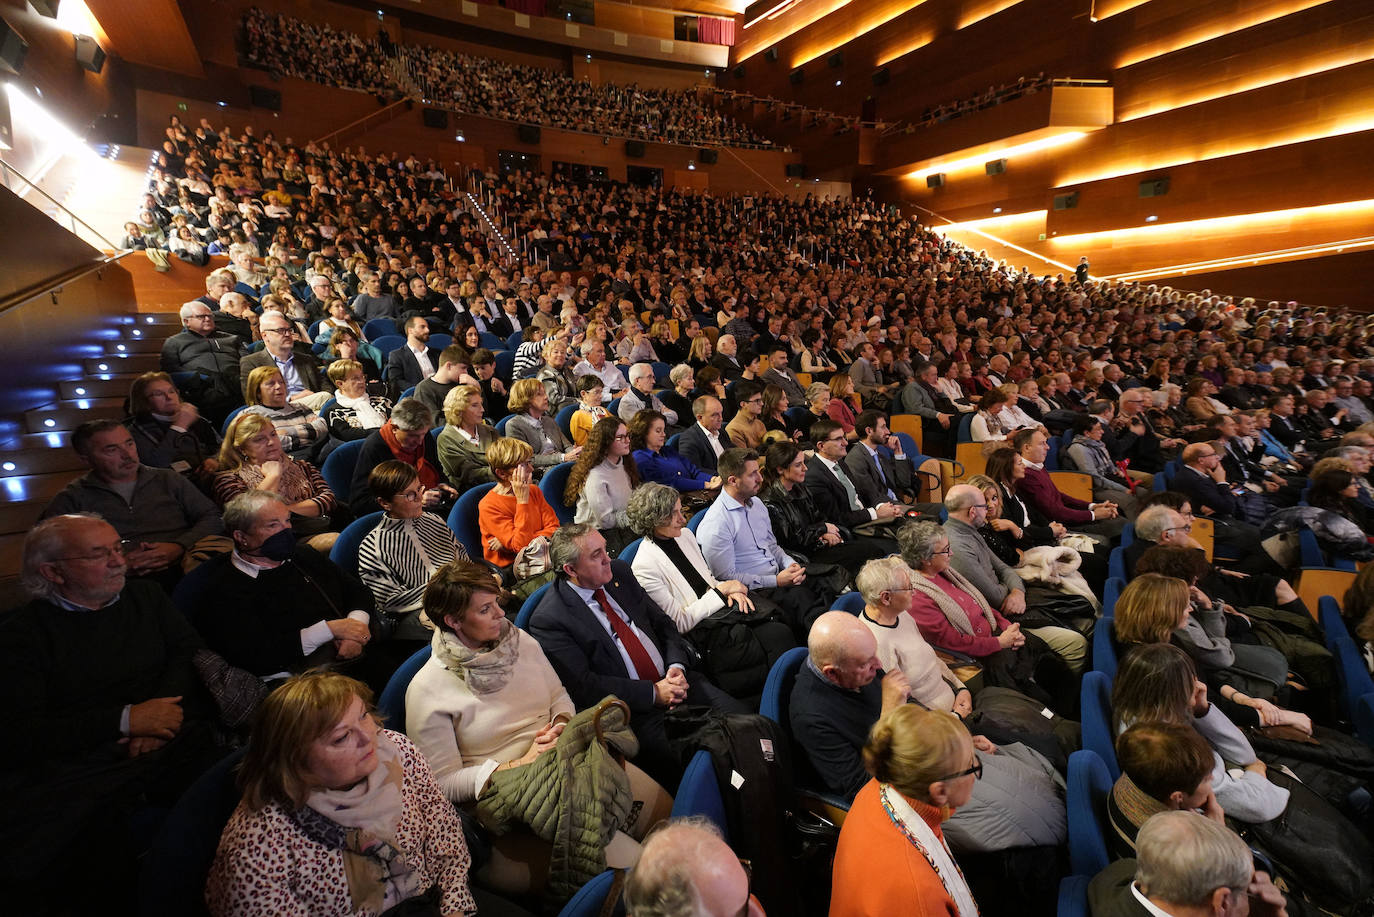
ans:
(39, 488)
(39, 461)
(61, 439)
(135, 363)
(11, 552)
(149, 343)
(69, 415)
(116, 386)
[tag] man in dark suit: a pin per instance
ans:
(828, 482)
(214, 355)
(507, 321)
(1203, 481)
(306, 383)
(416, 360)
(703, 442)
(1179, 853)
(1283, 426)
(604, 636)
(779, 373)
(727, 358)
(878, 476)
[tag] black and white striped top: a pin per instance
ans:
(398, 557)
(529, 359)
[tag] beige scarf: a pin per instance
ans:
(952, 610)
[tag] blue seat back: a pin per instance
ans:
(344, 554)
(377, 327)
(332, 402)
(501, 424)
(505, 366)
(224, 427)
(800, 415)
(628, 552)
(699, 793)
(462, 519)
(590, 898)
(1110, 593)
(1329, 615)
(1128, 535)
(673, 440)
(851, 602)
(695, 522)
(661, 371)
(1088, 786)
(1073, 896)
(515, 340)
(392, 704)
(491, 341)
(440, 341)
(1364, 719)
(172, 875)
(1104, 653)
(1355, 678)
(966, 428)
(564, 419)
(777, 689)
(1116, 564)
(338, 468)
(552, 485)
(614, 406)
(1311, 550)
(407, 393)
(1097, 721)
(522, 618)
(388, 342)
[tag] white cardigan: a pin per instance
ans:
(668, 588)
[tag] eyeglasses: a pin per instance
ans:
(101, 556)
(976, 771)
(834, 439)
(414, 496)
(1179, 528)
(284, 332)
(945, 551)
(622, 436)
(978, 506)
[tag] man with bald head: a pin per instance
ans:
(686, 869)
(236, 316)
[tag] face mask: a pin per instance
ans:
(279, 547)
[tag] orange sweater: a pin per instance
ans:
(879, 872)
(514, 525)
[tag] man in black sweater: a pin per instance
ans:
(107, 713)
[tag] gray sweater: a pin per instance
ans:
(165, 507)
(974, 560)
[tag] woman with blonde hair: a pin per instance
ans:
(699, 354)
(464, 441)
(891, 847)
(303, 433)
(252, 458)
(532, 422)
(354, 413)
(843, 403)
(348, 813)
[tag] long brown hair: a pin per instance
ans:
(594, 452)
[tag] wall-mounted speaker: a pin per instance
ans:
(634, 149)
(708, 157)
(796, 76)
(435, 117)
(771, 54)
(836, 59)
(1154, 187)
(89, 54)
(796, 170)
(12, 48)
(935, 180)
(262, 97)
(529, 133)
(45, 7)
(996, 167)
(1066, 201)
(739, 72)
(882, 77)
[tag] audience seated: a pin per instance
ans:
(514, 519)
(414, 361)
(451, 370)
(166, 524)
(399, 556)
(354, 413)
(109, 712)
(169, 432)
(602, 480)
(252, 459)
(405, 438)
(605, 636)
(686, 860)
(661, 464)
(303, 433)
(306, 385)
(212, 355)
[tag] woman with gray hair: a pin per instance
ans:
(404, 438)
(951, 613)
(738, 638)
(680, 396)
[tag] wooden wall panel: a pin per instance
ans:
(636, 20)
(70, 92)
(149, 32)
(604, 70)
(1335, 280)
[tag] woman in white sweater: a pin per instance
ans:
(488, 700)
(601, 482)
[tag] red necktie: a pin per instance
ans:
(644, 663)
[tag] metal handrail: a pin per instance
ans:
(54, 285)
(357, 121)
(58, 204)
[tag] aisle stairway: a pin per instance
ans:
(36, 459)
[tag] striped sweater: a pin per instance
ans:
(398, 557)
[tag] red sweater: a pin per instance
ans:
(1037, 488)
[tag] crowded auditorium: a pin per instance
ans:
(878, 436)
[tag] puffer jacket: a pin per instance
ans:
(1019, 803)
(575, 796)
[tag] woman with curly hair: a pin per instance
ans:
(602, 481)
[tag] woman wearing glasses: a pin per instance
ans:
(892, 847)
(398, 557)
(601, 482)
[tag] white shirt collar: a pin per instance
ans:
(1149, 905)
(246, 566)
